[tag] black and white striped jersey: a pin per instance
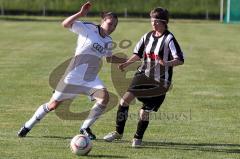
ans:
(151, 48)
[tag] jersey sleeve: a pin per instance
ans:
(139, 48)
(78, 27)
(175, 49)
(109, 47)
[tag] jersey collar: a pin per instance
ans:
(99, 29)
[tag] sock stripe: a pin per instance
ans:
(37, 116)
(45, 108)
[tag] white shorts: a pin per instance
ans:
(66, 91)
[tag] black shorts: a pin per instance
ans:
(152, 103)
(149, 91)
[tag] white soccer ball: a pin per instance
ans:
(81, 145)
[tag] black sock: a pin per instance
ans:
(142, 126)
(122, 115)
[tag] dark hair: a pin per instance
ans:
(109, 15)
(161, 14)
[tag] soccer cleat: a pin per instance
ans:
(88, 133)
(23, 131)
(136, 143)
(112, 136)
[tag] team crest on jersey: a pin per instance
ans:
(98, 48)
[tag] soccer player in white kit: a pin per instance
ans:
(93, 44)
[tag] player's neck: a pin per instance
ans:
(102, 32)
(159, 32)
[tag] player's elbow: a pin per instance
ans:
(66, 25)
(181, 62)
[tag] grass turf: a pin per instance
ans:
(199, 118)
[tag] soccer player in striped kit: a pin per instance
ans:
(81, 77)
(160, 52)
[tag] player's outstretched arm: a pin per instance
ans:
(131, 60)
(67, 23)
(115, 59)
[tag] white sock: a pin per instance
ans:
(38, 115)
(94, 114)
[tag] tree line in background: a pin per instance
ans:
(178, 8)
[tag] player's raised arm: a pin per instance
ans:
(67, 23)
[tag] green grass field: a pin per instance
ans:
(199, 118)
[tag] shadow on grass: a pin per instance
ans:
(51, 137)
(210, 147)
(116, 141)
(88, 156)
(105, 156)
(70, 137)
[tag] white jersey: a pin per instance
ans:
(91, 48)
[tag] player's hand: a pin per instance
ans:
(162, 62)
(122, 66)
(166, 63)
(85, 8)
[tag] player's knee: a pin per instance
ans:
(105, 99)
(144, 115)
(123, 102)
(53, 105)
(127, 99)
(102, 97)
